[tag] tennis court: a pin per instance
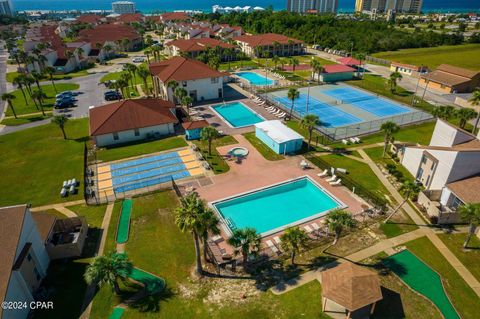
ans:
(329, 115)
(146, 171)
(421, 278)
(367, 102)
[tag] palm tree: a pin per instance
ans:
(39, 96)
(246, 240)
(470, 213)
(443, 112)
(209, 225)
(147, 52)
(408, 189)
(209, 133)
(188, 217)
(19, 81)
(187, 102)
(61, 120)
(465, 114)
(395, 77)
(294, 239)
(125, 44)
(172, 84)
(308, 122)
(107, 48)
(144, 73)
(109, 269)
(37, 76)
(180, 93)
(316, 68)
(9, 97)
(292, 95)
(275, 60)
(337, 221)
(475, 100)
(389, 128)
(361, 57)
(214, 62)
(50, 70)
(293, 62)
(41, 62)
(126, 78)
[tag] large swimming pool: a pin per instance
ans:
(277, 207)
(255, 78)
(237, 114)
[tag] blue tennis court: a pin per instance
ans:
(329, 115)
(367, 102)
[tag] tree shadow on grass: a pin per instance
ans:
(274, 273)
(151, 303)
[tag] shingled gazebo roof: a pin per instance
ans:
(351, 286)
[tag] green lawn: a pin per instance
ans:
(400, 224)
(316, 137)
(41, 159)
(22, 108)
(376, 154)
(378, 84)
(462, 296)
(465, 56)
(421, 133)
(120, 152)
(262, 148)
(470, 257)
(238, 64)
(11, 75)
(25, 119)
(93, 213)
(216, 160)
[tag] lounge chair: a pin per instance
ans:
(270, 108)
(277, 112)
(65, 184)
(63, 192)
(262, 103)
(357, 140)
(331, 179)
(272, 246)
(273, 111)
(277, 240)
(352, 140)
(308, 229)
(315, 226)
(336, 183)
(344, 141)
(281, 115)
(323, 174)
(74, 182)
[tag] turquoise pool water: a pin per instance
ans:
(271, 209)
(255, 78)
(237, 114)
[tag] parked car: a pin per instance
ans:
(62, 104)
(66, 98)
(112, 96)
(138, 59)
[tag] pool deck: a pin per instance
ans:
(257, 172)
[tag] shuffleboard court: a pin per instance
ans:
(421, 278)
(117, 313)
(329, 115)
(124, 222)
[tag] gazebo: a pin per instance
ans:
(351, 286)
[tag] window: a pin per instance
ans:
(456, 203)
(424, 159)
(433, 166)
(115, 136)
(419, 173)
(184, 83)
(214, 80)
(137, 132)
(427, 181)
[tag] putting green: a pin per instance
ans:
(421, 278)
(124, 222)
(153, 284)
(117, 313)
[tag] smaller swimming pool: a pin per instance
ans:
(237, 114)
(255, 78)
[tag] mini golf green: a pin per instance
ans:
(117, 313)
(124, 222)
(421, 278)
(153, 284)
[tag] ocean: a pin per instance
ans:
(148, 6)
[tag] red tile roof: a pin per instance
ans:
(175, 16)
(108, 32)
(89, 18)
(337, 68)
(130, 17)
(195, 124)
(198, 44)
(182, 69)
(265, 39)
(49, 35)
(130, 114)
(349, 61)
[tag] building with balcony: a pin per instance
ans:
(269, 44)
(121, 7)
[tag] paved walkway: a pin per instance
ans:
(57, 205)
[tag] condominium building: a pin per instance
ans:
(402, 6)
(312, 6)
(121, 7)
(6, 7)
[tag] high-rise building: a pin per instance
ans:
(400, 6)
(6, 7)
(318, 6)
(121, 7)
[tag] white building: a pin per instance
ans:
(24, 259)
(312, 6)
(131, 120)
(453, 155)
(6, 7)
(199, 80)
(121, 7)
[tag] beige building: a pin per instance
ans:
(451, 79)
(408, 69)
(401, 6)
(270, 44)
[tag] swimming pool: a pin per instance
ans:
(277, 207)
(237, 114)
(255, 78)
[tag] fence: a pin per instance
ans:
(371, 197)
(377, 60)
